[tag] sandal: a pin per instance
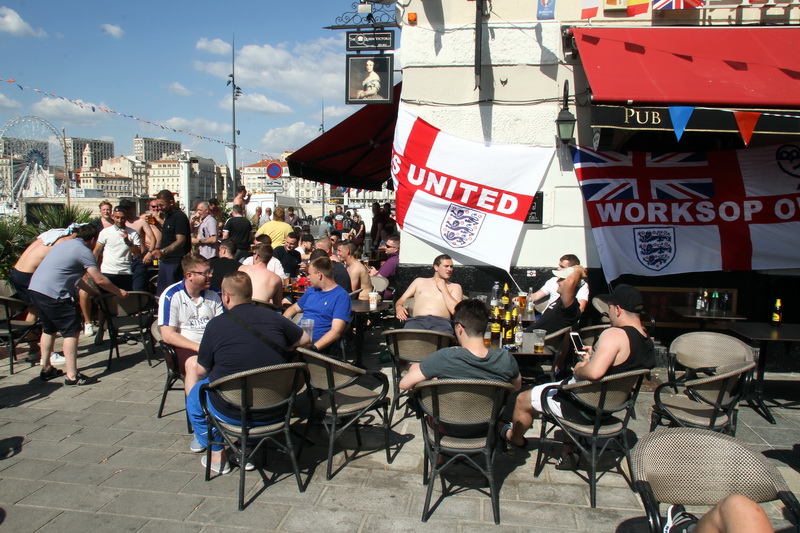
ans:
(504, 429)
(50, 373)
(569, 461)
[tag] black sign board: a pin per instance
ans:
(373, 40)
(535, 212)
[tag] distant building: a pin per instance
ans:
(145, 149)
(100, 150)
(129, 167)
(192, 178)
(89, 177)
(254, 176)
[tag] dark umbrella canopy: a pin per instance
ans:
(355, 153)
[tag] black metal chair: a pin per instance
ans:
(131, 316)
(458, 423)
(691, 466)
(13, 330)
(407, 346)
(707, 402)
(606, 406)
(343, 394)
(258, 393)
(173, 371)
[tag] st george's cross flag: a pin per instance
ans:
(461, 195)
(667, 213)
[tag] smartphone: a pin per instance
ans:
(577, 343)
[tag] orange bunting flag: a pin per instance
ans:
(746, 120)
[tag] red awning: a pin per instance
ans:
(730, 66)
(354, 153)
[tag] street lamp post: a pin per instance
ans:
(236, 91)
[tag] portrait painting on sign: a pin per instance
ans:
(369, 79)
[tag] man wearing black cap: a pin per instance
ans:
(621, 348)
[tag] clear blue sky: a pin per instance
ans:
(167, 61)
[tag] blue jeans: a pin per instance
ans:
(198, 418)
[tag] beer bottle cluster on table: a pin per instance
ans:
(505, 323)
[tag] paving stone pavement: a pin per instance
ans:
(98, 459)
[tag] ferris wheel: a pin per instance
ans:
(33, 150)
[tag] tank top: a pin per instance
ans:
(642, 353)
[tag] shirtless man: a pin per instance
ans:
(435, 298)
(267, 286)
(242, 198)
(152, 231)
(359, 275)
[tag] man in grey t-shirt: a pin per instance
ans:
(471, 359)
(52, 290)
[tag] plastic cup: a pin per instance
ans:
(538, 341)
(373, 301)
(308, 326)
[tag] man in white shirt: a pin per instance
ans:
(206, 239)
(184, 309)
(550, 288)
(117, 246)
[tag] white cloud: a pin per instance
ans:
(65, 112)
(339, 112)
(214, 46)
(8, 103)
(12, 23)
(113, 30)
(257, 103)
(178, 89)
(306, 71)
(292, 137)
(199, 126)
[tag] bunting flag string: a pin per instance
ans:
(133, 117)
(680, 117)
(746, 120)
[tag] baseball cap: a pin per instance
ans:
(624, 296)
(563, 274)
(120, 209)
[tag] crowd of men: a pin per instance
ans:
(217, 301)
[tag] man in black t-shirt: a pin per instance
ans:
(174, 244)
(238, 229)
(288, 255)
(228, 347)
(224, 263)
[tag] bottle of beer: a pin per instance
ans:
(516, 317)
(508, 329)
(495, 298)
(529, 306)
(505, 299)
(496, 328)
(777, 314)
(715, 301)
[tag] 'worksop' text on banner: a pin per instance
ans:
(667, 213)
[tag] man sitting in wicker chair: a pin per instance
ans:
(621, 348)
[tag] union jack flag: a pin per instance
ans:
(677, 4)
(682, 189)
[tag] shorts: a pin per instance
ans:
(561, 406)
(183, 354)
(20, 281)
(123, 281)
(429, 322)
(58, 315)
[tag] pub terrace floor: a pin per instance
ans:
(97, 459)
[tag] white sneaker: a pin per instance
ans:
(57, 359)
(88, 329)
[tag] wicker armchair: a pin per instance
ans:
(608, 404)
(691, 466)
(408, 346)
(709, 402)
(343, 394)
(458, 424)
(703, 351)
(131, 316)
(269, 392)
(12, 330)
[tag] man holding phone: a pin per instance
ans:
(623, 347)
